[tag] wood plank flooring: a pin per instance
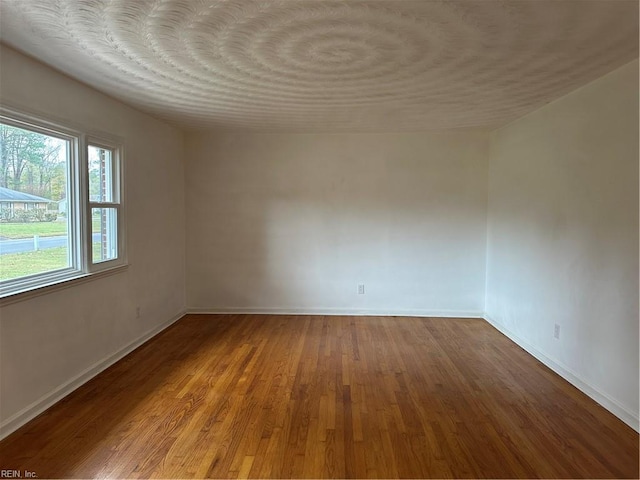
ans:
(251, 396)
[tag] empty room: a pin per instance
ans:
(319, 239)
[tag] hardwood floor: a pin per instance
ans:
(240, 396)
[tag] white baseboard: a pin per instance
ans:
(17, 420)
(620, 411)
(338, 311)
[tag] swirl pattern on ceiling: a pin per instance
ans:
(308, 65)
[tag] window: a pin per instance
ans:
(104, 202)
(61, 211)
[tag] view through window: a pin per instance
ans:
(61, 214)
(103, 192)
(34, 215)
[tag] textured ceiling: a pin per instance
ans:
(324, 65)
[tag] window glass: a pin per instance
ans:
(104, 234)
(34, 223)
(101, 181)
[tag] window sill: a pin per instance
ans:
(59, 285)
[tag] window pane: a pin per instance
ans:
(34, 231)
(104, 234)
(100, 174)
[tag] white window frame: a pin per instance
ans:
(81, 267)
(115, 203)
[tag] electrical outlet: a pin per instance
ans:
(361, 289)
(137, 312)
(556, 331)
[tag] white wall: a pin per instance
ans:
(563, 237)
(48, 341)
(296, 222)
